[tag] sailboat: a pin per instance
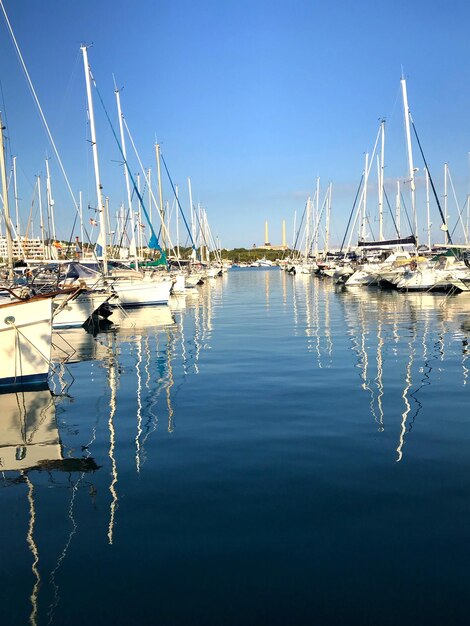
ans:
(132, 287)
(25, 324)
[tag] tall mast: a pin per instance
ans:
(132, 246)
(428, 207)
(446, 172)
(381, 179)
(398, 209)
(149, 174)
(177, 224)
(6, 208)
(80, 206)
(200, 231)
(411, 171)
(99, 197)
(41, 218)
(327, 221)
(204, 234)
(317, 217)
(160, 193)
(139, 217)
(307, 229)
(15, 187)
(364, 198)
(193, 219)
(50, 203)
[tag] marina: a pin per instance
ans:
(296, 458)
(199, 424)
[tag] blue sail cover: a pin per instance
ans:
(154, 245)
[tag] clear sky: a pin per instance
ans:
(252, 99)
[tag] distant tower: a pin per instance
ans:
(284, 234)
(266, 236)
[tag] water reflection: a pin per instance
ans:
(136, 365)
(397, 340)
(311, 309)
(133, 389)
(30, 445)
(29, 436)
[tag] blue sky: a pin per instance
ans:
(251, 99)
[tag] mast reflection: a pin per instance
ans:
(29, 443)
(383, 327)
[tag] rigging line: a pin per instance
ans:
(352, 213)
(391, 212)
(406, 213)
(163, 227)
(177, 200)
(431, 181)
(370, 226)
(201, 230)
(141, 200)
(73, 228)
(41, 113)
(299, 230)
(316, 229)
(38, 104)
(459, 218)
(4, 109)
(30, 218)
(20, 334)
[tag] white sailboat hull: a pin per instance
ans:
(75, 312)
(25, 342)
(143, 293)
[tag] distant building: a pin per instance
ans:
(267, 245)
(266, 236)
(24, 248)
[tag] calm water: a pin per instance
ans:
(269, 450)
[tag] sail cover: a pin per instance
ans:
(388, 243)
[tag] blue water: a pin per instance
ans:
(269, 450)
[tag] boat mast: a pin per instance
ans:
(50, 203)
(99, 197)
(193, 220)
(364, 198)
(317, 217)
(398, 209)
(139, 218)
(41, 218)
(80, 205)
(201, 251)
(327, 220)
(177, 225)
(132, 246)
(160, 193)
(446, 237)
(6, 208)
(307, 230)
(381, 180)
(15, 187)
(411, 170)
(428, 207)
(149, 174)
